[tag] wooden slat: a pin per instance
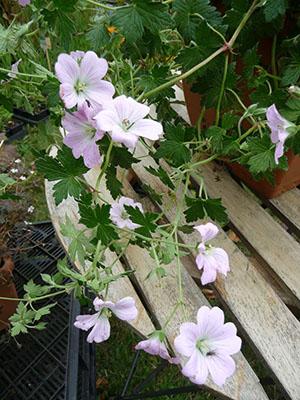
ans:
(288, 204)
(162, 296)
(269, 324)
(269, 239)
(118, 289)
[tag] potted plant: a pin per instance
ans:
(261, 72)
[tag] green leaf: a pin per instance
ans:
(66, 271)
(33, 290)
(105, 231)
(112, 182)
(162, 175)
(17, 329)
(43, 311)
(64, 168)
(143, 14)
(173, 148)
(205, 208)
(261, 155)
(274, 9)
(146, 220)
(291, 73)
(5, 181)
(98, 36)
(80, 245)
(157, 197)
(129, 22)
(188, 23)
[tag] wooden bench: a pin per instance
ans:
(261, 293)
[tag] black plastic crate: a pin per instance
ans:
(56, 363)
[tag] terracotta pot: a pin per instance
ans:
(7, 289)
(284, 180)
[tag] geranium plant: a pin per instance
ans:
(131, 57)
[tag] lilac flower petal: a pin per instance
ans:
(221, 257)
(126, 138)
(100, 92)
(196, 368)
(106, 120)
(91, 155)
(76, 142)
(93, 68)
(99, 304)
(147, 128)
(24, 3)
(125, 309)
(279, 151)
(185, 342)
(225, 340)
(220, 367)
(85, 322)
(14, 69)
(101, 331)
(77, 55)
(209, 274)
(128, 108)
(68, 95)
(200, 259)
(207, 231)
(67, 69)
(210, 322)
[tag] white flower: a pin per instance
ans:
(30, 209)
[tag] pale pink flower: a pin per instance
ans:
(208, 345)
(124, 119)
(210, 259)
(77, 55)
(82, 135)
(14, 69)
(156, 347)
(124, 309)
(81, 80)
(279, 133)
(119, 215)
(24, 3)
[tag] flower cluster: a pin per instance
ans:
(93, 113)
(122, 118)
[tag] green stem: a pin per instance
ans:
(222, 90)
(46, 296)
(242, 24)
(182, 76)
(215, 54)
(106, 7)
(274, 67)
(106, 162)
(21, 73)
(247, 133)
(187, 246)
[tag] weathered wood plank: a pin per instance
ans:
(162, 296)
(269, 239)
(118, 289)
(269, 324)
(288, 205)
